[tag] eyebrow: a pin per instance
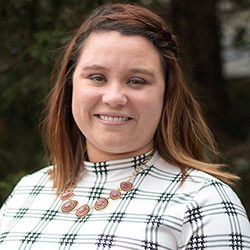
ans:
(142, 71)
(93, 66)
(132, 70)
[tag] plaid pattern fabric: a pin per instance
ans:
(158, 214)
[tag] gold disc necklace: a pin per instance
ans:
(125, 186)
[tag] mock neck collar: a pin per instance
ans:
(105, 167)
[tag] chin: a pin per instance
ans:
(114, 142)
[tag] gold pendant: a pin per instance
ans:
(101, 203)
(83, 210)
(69, 206)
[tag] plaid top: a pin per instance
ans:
(159, 213)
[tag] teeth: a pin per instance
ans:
(113, 118)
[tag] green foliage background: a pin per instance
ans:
(33, 36)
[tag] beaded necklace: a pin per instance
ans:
(125, 186)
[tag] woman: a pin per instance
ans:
(129, 149)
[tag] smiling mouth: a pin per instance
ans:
(108, 118)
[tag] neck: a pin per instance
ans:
(97, 155)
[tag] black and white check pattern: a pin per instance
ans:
(158, 214)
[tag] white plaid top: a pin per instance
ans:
(158, 213)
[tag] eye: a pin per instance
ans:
(97, 78)
(137, 81)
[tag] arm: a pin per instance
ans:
(215, 219)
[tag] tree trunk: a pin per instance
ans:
(196, 25)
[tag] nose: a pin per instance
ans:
(114, 95)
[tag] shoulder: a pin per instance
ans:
(211, 208)
(32, 184)
(40, 176)
(196, 183)
(213, 211)
(29, 185)
(211, 194)
(215, 193)
(199, 189)
(34, 181)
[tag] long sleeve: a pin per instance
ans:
(215, 219)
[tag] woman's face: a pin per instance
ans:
(118, 90)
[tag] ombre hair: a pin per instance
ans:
(182, 137)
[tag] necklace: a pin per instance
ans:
(125, 186)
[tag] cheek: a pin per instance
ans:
(155, 101)
(75, 104)
(84, 101)
(79, 105)
(151, 108)
(156, 110)
(80, 98)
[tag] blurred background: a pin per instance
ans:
(214, 39)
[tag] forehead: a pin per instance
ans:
(112, 45)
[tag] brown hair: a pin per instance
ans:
(182, 137)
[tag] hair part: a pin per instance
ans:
(182, 137)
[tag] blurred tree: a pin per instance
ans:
(197, 25)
